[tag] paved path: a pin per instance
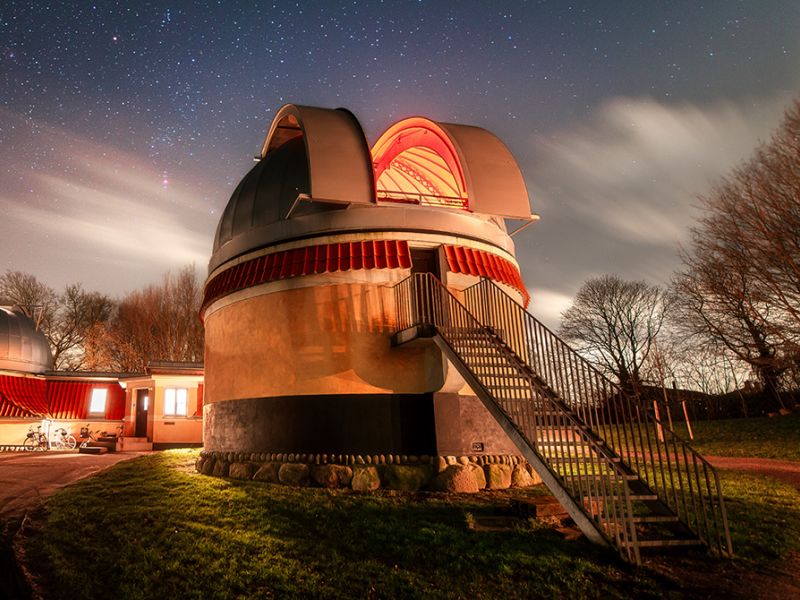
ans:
(27, 477)
(785, 470)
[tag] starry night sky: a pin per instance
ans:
(124, 126)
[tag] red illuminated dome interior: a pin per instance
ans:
(415, 161)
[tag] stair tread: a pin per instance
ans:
(633, 497)
(664, 543)
(655, 519)
(601, 476)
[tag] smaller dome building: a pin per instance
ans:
(22, 346)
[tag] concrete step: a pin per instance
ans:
(110, 446)
(93, 450)
(134, 444)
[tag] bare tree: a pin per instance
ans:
(615, 324)
(740, 284)
(36, 300)
(64, 318)
(79, 313)
(717, 302)
(160, 322)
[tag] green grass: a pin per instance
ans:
(760, 437)
(764, 437)
(152, 528)
(764, 517)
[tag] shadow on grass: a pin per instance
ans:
(153, 528)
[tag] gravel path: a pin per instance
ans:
(784, 470)
(27, 477)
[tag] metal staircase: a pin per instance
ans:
(625, 478)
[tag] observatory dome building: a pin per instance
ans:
(300, 302)
(23, 348)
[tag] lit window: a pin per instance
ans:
(175, 401)
(97, 405)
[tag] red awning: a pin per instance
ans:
(22, 397)
(70, 399)
(311, 260)
(199, 411)
(484, 264)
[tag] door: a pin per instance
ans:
(427, 290)
(424, 260)
(142, 409)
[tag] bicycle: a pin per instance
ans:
(88, 436)
(35, 440)
(61, 440)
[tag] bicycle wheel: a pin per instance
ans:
(69, 442)
(30, 444)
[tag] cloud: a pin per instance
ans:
(90, 212)
(548, 305)
(618, 191)
(637, 165)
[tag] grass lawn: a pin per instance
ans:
(764, 437)
(153, 528)
(761, 437)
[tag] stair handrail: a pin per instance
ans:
(423, 301)
(661, 457)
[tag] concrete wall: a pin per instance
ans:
(324, 424)
(161, 428)
(332, 339)
(14, 431)
(465, 427)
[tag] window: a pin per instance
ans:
(97, 405)
(175, 400)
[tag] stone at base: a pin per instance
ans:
(535, 477)
(207, 466)
(240, 471)
(293, 474)
(405, 478)
(520, 477)
(478, 474)
(331, 476)
(459, 479)
(267, 472)
(365, 479)
(220, 468)
(498, 476)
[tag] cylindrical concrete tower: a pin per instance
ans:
(299, 307)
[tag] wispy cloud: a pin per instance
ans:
(548, 305)
(618, 191)
(78, 210)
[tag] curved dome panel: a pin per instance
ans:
(415, 161)
(494, 181)
(266, 193)
(22, 347)
(338, 155)
(316, 152)
(441, 164)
